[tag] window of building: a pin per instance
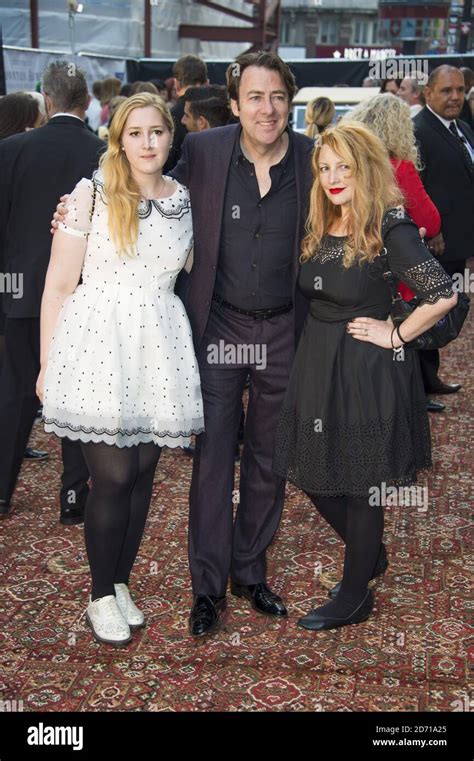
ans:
(328, 32)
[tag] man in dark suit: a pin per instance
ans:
(447, 150)
(188, 71)
(35, 168)
(249, 186)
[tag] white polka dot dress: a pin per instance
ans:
(121, 366)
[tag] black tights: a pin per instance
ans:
(360, 526)
(116, 509)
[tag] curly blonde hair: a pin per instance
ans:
(374, 192)
(389, 117)
(121, 190)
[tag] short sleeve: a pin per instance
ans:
(412, 263)
(79, 208)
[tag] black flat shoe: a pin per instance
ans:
(35, 454)
(380, 568)
(262, 598)
(433, 406)
(71, 516)
(444, 388)
(319, 622)
(205, 614)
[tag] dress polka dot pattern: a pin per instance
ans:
(121, 366)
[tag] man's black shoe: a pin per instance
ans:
(444, 388)
(262, 598)
(205, 614)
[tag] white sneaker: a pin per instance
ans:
(133, 615)
(107, 622)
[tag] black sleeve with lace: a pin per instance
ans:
(411, 262)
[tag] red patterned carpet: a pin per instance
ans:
(411, 655)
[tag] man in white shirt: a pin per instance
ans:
(446, 147)
(94, 110)
(411, 91)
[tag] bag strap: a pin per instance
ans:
(94, 193)
(388, 275)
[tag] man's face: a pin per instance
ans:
(391, 86)
(446, 97)
(263, 106)
(407, 93)
(188, 119)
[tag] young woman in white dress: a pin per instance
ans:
(118, 370)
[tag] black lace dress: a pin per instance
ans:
(353, 416)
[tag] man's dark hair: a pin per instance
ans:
(444, 69)
(159, 84)
(215, 110)
(18, 110)
(194, 94)
(97, 88)
(66, 85)
(190, 70)
(270, 61)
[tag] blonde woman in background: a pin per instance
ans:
(109, 89)
(118, 371)
(388, 116)
(319, 114)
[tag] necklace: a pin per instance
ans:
(163, 184)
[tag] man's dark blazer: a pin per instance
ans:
(37, 167)
(204, 168)
(448, 180)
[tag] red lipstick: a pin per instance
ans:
(334, 191)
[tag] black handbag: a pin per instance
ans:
(445, 330)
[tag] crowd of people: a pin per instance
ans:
(200, 247)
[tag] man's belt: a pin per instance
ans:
(257, 314)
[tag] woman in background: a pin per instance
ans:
(19, 112)
(319, 114)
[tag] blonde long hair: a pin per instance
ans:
(319, 113)
(389, 117)
(121, 191)
(374, 191)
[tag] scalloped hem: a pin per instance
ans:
(122, 439)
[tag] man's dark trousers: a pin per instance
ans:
(18, 407)
(215, 549)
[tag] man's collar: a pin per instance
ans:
(238, 153)
(65, 113)
(444, 121)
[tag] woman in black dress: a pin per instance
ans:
(354, 419)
